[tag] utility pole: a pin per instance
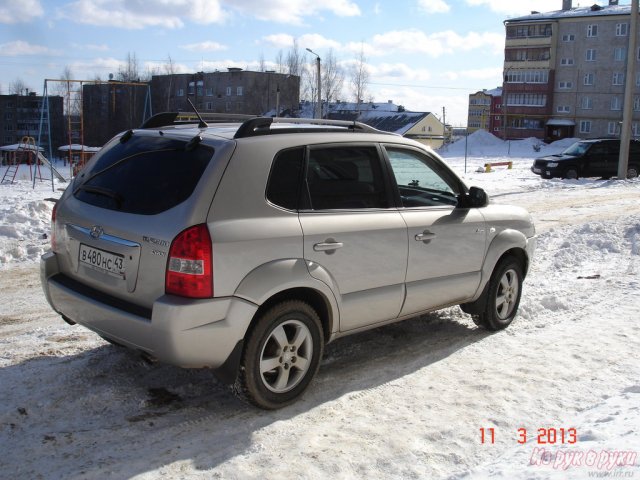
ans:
(444, 126)
(319, 105)
(627, 112)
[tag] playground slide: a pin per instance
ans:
(46, 162)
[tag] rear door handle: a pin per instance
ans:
(327, 246)
(425, 236)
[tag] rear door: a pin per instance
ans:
(354, 237)
(447, 244)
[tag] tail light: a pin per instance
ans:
(190, 265)
(53, 226)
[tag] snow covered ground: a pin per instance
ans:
(410, 400)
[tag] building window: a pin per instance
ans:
(636, 104)
(619, 53)
(616, 104)
(590, 55)
(527, 99)
(566, 61)
(209, 92)
(227, 106)
(527, 54)
(563, 109)
(635, 129)
(565, 85)
(589, 78)
(180, 92)
(585, 126)
(618, 78)
(587, 103)
(568, 37)
(239, 91)
(209, 106)
(622, 29)
(228, 92)
(527, 76)
(592, 30)
(613, 128)
(526, 123)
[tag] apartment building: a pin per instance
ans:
(564, 73)
(235, 91)
(20, 117)
(485, 111)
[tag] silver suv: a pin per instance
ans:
(245, 248)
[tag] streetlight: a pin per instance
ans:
(319, 105)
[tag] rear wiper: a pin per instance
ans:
(105, 192)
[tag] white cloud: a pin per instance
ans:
(434, 6)
(90, 46)
(207, 46)
(20, 11)
(138, 14)
(293, 11)
(435, 44)
(519, 7)
(222, 65)
(489, 73)
(397, 72)
(279, 40)
(20, 47)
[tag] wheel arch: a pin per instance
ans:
(314, 298)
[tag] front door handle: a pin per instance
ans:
(328, 246)
(425, 236)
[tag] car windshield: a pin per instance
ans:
(577, 148)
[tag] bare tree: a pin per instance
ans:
(261, 63)
(295, 60)
(280, 66)
(332, 77)
(130, 71)
(18, 87)
(359, 78)
(170, 70)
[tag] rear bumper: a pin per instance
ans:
(178, 331)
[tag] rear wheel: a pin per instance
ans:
(632, 171)
(281, 356)
(571, 173)
(502, 295)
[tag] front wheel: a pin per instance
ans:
(632, 171)
(502, 295)
(571, 174)
(281, 356)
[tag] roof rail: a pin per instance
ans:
(183, 118)
(262, 126)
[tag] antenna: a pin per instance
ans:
(202, 123)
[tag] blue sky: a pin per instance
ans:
(423, 54)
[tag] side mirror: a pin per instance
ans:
(477, 198)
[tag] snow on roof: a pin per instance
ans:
(19, 146)
(574, 12)
(74, 147)
(395, 122)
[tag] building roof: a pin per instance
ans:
(593, 11)
(395, 122)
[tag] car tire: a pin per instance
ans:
(502, 296)
(632, 171)
(571, 174)
(281, 355)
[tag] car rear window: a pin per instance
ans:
(144, 175)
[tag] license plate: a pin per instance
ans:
(101, 260)
(537, 170)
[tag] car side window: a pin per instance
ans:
(345, 178)
(283, 187)
(420, 182)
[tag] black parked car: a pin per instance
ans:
(588, 158)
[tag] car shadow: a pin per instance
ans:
(106, 412)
